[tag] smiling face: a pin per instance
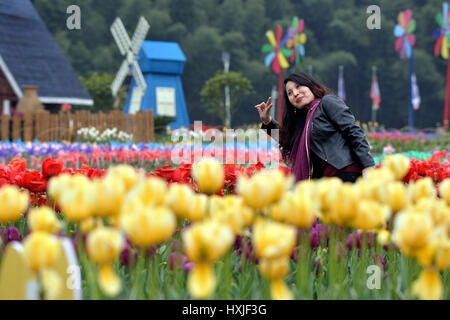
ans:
(299, 96)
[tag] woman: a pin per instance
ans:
(318, 136)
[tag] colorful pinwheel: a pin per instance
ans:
(296, 40)
(278, 54)
(403, 31)
(443, 33)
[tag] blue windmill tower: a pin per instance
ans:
(156, 69)
(162, 64)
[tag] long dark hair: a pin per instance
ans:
(288, 122)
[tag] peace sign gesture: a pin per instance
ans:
(263, 110)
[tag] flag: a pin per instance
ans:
(375, 93)
(341, 86)
(415, 97)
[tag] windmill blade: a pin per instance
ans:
(436, 34)
(411, 39)
(276, 65)
(138, 76)
(268, 59)
(139, 35)
(301, 49)
(444, 48)
(120, 77)
(300, 26)
(266, 48)
(444, 13)
(295, 23)
(398, 44)
(398, 31)
(286, 51)
(408, 48)
(271, 37)
(401, 18)
(438, 18)
(282, 60)
(279, 32)
(285, 39)
(437, 46)
(407, 18)
(411, 26)
(121, 36)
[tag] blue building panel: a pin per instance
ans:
(162, 64)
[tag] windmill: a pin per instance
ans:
(277, 58)
(297, 39)
(130, 49)
(404, 45)
(442, 34)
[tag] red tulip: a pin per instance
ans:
(51, 167)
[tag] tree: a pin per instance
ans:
(99, 87)
(213, 93)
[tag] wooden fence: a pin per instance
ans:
(45, 126)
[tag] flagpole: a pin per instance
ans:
(411, 107)
(374, 111)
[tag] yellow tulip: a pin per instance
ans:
(381, 174)
(57, 185)
(148, 226)
(179, 199)
(254, 191)
(397, 196)
(383, 237)
(279, 183)
(370, 215)
(13, 203)
(274, 268)
(104, 245)
(428, 286)
(90, 224)
(436, 253)
(124, 172)
(231, 217)
(373, 189)
(236, 203)
(207, 241)
(43, 219)
(109, 282)
(343, 202)
(209, 175)
(263, 188)
(41, 250)
(280, 291)
(78, 201)
(299, 209)
(199, 207)
(444, 190)
(52, 284)
(273, 240)
(216, 203)
(398, 164)
(411, 231)
(422, 188)
(109, 192)
(150, 192)
(201, 281)
(437, 209)
(323, 187)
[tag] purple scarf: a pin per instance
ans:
(301, 151)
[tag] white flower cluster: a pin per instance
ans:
(93, 135)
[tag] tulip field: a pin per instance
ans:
(142, 227)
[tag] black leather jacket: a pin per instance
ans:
(335, 136)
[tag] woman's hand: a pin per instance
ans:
(263, 109)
